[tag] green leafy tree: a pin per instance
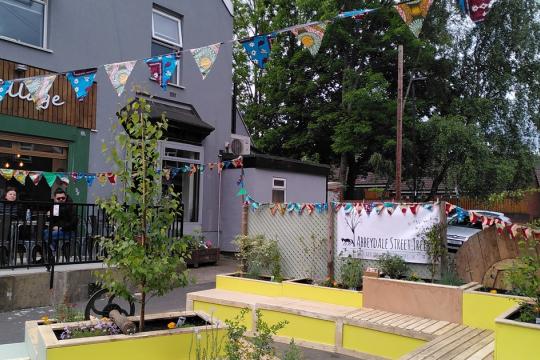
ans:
(140, 254)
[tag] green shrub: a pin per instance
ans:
(259, 256)
(393, 266)
(262, 341)
(351, 273)
(293, 352)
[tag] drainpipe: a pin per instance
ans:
(219, 207)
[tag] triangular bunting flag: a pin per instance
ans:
(413, 208)
(119, 74)
(413, 14)
(273, 209)
(476, 10)
(50, 178)
(282, 208)
(90, 179)
(111, 177)
(81, 81)
(358, 206)
(348, 208)
(310, 208)
(162, 68)
(7, 173)
(63, 177)
(4, 88)
(258, 49)
(205, 57)
(241, 192)
(310, 36)
(102, 179)
(39, 88)
(20, 176)
(35, 177)
(368, 208)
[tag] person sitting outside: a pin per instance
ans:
(63, 222)
(8, 206)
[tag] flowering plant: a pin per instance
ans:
(103, 327)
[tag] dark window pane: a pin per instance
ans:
(22, 20)
(278, 196)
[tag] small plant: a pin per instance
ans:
(393, 266)
(328, 282)
(351, 273)
(293, 352)
(524, 279)
(414, 277)
(435, 240)
(259, 256)
(103, 327)
(234, 347)
(262, 341)
(196, 240)
(451, 278)
(66, 312)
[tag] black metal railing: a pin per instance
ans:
(44, 233)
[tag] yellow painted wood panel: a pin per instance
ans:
(323, 294)
(249, 286)
(480, 310)
(378, 343)
(516, 342)
(302, 327)
(223, 312)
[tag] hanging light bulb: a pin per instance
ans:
(21, 164)
(6, 165)
(18, 156)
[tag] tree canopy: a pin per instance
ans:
(472, 111)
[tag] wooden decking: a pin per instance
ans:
(444, 340)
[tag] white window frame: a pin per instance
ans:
(165, 42)
(278, 187)
(44, 45)
(163, 145)
(179, 23)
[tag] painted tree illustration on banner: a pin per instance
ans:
(352, 220)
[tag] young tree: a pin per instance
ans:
(140, 254)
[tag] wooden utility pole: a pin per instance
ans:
(399, 127)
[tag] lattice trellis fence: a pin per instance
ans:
(303, 243)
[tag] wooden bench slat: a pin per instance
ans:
(392, 321)
(412, 355)
(445, 341)
(479, 350)
(423, 326)
(416, 323)
(446, 329)
(460, 347)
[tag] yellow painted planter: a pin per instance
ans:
(480, 309)
(177, 344)
(224, 312)
(323, 294)
(516, 340)
(249, 286)
(373, 342)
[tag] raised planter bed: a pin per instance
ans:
(480, 308)
(432, 301)
(306, 290)
(516, 339)
(239, 282)
(203, 256)
(44, 341)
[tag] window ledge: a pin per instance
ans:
(18, 42)
(181, 87)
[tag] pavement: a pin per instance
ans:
(12, 323)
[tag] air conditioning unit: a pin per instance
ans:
(240, 145)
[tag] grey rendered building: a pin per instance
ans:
(62, 35)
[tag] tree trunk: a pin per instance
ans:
(143, 305)
(343, 166)
(437, 181)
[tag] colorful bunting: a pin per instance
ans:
(476, 10)
(119, 74)
(311, 36)
(111, 177)
(35, 177)
(81, 81)
(205, 57)
(102, 178)
(4, 88)
(90, 179)
(413, 14)
(20, 176)
(258, 49)
(49, 177)
(162, 68)
(39, 88)
(7, 173)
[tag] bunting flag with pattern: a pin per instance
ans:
(205, 57)
(90, 179)
(258, 49)
(413, 14)
(310, 36)
(81, 81)
(476, 10)
(49, 177)
(162, 68)
(4, 88)
(20, 176)
(7, 173)
(119, 74)
(39, 87)
(35, 177)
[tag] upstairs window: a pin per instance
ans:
(167, 37)
(279, 189)
(24, 20)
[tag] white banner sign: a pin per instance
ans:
(401, 233)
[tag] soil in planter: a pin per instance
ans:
(304, 281)
(258, 277)
(516, 316)
(499, 291)
(157, 324)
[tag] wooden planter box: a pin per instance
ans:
(203, 256)
(345, 297)
(178, 343)
(480, 309)
(432, 301)
(236, 282)
(515, 339)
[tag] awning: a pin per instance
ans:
(183, 119)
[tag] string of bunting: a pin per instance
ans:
(258, 49)
(110, 177)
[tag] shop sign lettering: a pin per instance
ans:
(17, 91)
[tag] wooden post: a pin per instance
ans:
(127, 327)
(399, 122)
(244, 223)
(330, 260)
